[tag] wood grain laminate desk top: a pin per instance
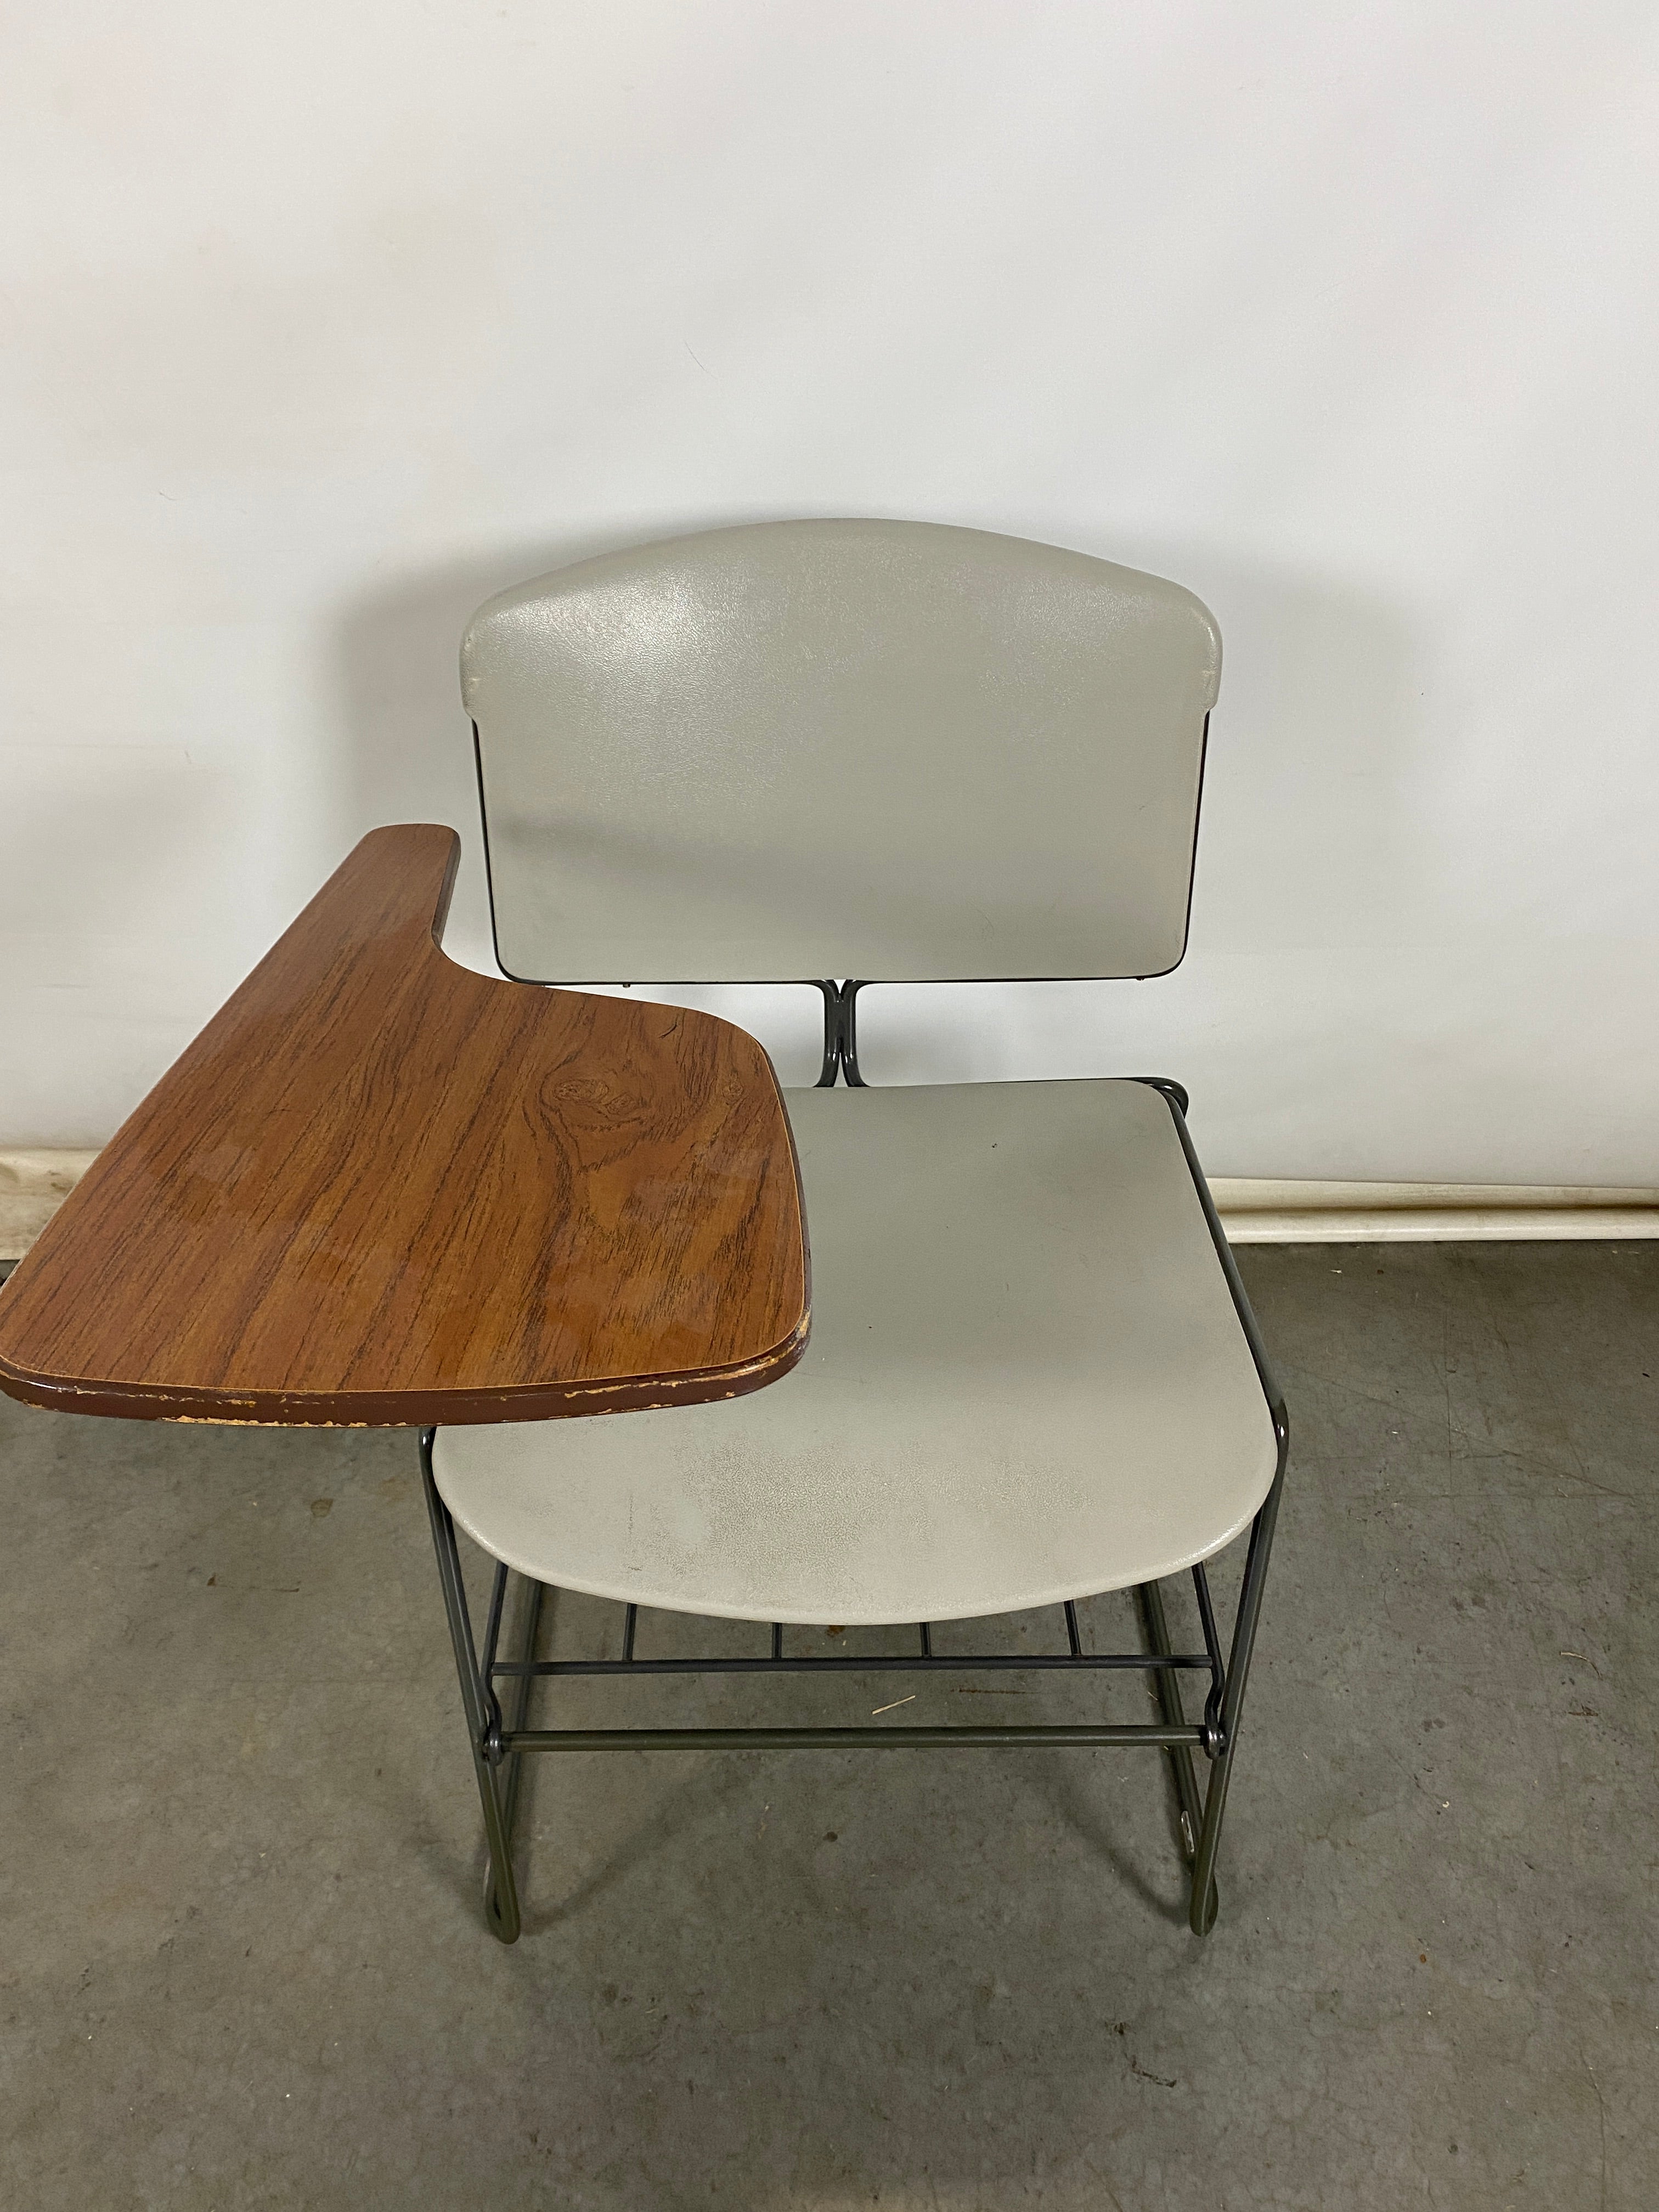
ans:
(379, 1188)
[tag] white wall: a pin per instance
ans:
(322, 323)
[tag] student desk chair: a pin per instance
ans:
(380, 1189)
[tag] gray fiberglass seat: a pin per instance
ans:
(1026, 1381)
(897, 753)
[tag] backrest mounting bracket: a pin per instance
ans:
(841, 1047)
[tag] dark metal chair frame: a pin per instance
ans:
(495, 1717)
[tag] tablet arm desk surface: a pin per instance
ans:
(379, 1190)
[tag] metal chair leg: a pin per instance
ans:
(482, 1714)
(1200, 1820)
(1239, 1670)
(1181, 1757)
(512, 1765)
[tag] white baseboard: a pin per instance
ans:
(1263, 1213)
(34, 1184)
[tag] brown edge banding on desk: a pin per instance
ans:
(404, 1409)
(381, 1190)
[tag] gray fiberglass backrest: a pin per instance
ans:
(889, 749)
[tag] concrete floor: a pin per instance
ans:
(243, 1958)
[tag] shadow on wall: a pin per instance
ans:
(1317, 832)
(398, 655)
(1318, 827)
